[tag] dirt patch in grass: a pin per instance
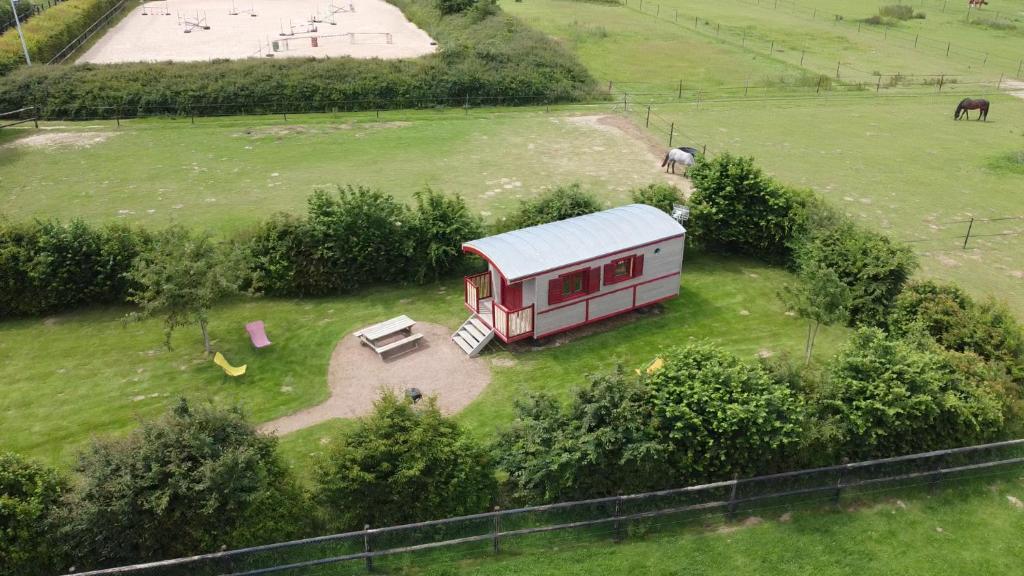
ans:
(357, 376)
(298, 130)
(61, 140)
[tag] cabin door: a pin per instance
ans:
(511, 295)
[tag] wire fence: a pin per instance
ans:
(785, 49)
(944, 234)
(593, 521)
(100, 25)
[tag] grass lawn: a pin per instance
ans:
(226, 173)
(98, 376)
(962, 531)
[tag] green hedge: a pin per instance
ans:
(49, 32)
(494, 59)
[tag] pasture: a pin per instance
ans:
(225, 174)
(191, 30)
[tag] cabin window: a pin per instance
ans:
(622, 269)
(574, 285)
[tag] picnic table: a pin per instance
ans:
(374, 336)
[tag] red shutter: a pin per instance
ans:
(609, 273)
(554, 291)
(638, 265)
(594, 283)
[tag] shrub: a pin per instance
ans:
(889, 396)
(453, 6)
(605, 442)
(486, 58)
(737, 208)
(897, 11)
(661, 196)
(994, 23)
(49, 32)
(559, 204)
(402, 464)
(49, 266)
(30, 500)
(960, 324)
(192, 481)
(722, 416)
(440, 226)
(874, 268)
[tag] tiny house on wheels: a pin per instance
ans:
(554, 277)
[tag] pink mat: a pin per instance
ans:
(258, 334)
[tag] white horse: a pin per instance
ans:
(677, 155)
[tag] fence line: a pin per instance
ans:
(69, 50)
(613, 515)
(739, 35)
(36, 8)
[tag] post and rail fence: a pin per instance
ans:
(607, 519)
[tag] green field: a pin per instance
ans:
(963, 531)
(96, 375)
(225, 174)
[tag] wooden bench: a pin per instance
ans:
(372, 335)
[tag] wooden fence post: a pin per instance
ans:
(671, 133)
(838, 64)
(731, 510)
(617, 525)
(1000, 84)
(647, 122)
(839, 487)
(948, 44)
(367, 548)
(879, 85)
(496, 543)
(970, 226)
(679, 95)
(942, 80)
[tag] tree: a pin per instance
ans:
(605, 442)
(820, 298)
(193, 481)
(441, 224)
(400, 464)
(30, 499)
(661, 196)
(559, 204)
(723, 416)
(888, 396)
(181, 277)
(870, 264)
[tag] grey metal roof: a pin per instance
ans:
(530, 251)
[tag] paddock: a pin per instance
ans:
(198, 30)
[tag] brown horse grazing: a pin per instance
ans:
(968, 104)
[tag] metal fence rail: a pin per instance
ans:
(609, 518)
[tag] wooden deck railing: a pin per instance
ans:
(513, 324)
(478, 287)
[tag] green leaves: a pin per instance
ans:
(30, 499)
(402, 463)
(559, 204)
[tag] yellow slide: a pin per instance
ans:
(229, 370)
(654, 366)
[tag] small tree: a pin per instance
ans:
(402, 463)
(441, 224)
(193, 481)
(605, 442)
(181, 277)
(559, 204)
(30, 498)
(661, 196)
(820, 298)
(724, 416)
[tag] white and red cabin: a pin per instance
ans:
(555, 277)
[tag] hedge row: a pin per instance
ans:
(493, 59)
(49, 32)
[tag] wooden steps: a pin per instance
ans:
(473, 336)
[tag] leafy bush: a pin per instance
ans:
(559, 204)
(356, 237)
(960, 324)
(897, 11)
(874, 268)
(606, 441)
(50, 31)
(440, 226)
(889, 396)
(722, 416)
(193, 481)
(402, 464)
(661, 196)
(994, 23)
(49, 266)
(737, 208)
(447, 7)
(487, 58)
(30, 499)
